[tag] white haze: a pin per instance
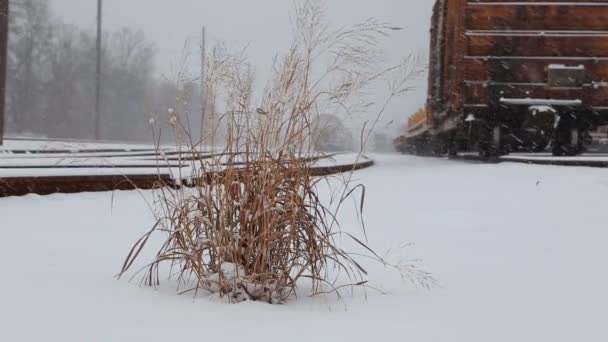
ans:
(262, 25)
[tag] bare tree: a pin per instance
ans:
(129, 67)
(331, 134)
(30, 37)
(68, 84)
(51, 68)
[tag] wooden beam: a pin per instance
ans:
(528, 70)
(456, 44)
(538, 46)
(571, 17)
(477, 93)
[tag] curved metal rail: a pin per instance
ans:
(46, 178)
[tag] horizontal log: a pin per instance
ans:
(525, 2)
(483, 94)
(552, 46)
(75, 184)
(532, 16)
(528, 71)
(541, 2)
(46, 185)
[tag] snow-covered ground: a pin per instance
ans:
(519, 251)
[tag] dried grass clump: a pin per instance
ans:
(250, 234)
(254, 226)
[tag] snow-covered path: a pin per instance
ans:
(519, 251)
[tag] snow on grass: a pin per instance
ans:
(519, 251)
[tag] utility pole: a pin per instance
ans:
(98, 73)
(3, 58)
(203, 81)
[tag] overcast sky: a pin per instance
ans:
(262, 25)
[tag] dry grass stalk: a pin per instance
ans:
(254, 226)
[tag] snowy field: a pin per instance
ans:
(519, 252)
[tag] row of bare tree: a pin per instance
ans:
(51, 79)
(51, 86)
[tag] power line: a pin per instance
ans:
(98, 82)
(203, 83)
(3, 57)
